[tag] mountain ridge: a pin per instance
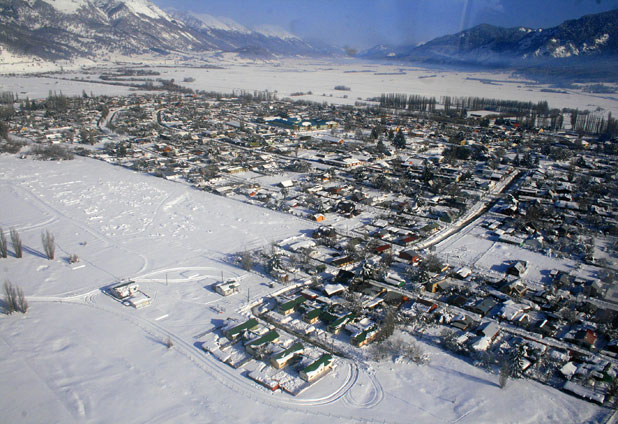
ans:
(100, 29)
(575, 41)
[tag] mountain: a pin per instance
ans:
(227, 35)
(100, 29)
(585, 40)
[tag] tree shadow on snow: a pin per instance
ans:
(4, 307)
(34, 252)
(468, 377)
(501, 268)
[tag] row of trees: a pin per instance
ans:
(47, 238)
(415, 102)
(409, 102)
(530, 114)
(15, 241)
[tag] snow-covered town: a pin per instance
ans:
(205, 221)
(484, 236)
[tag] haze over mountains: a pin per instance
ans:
(104, 29)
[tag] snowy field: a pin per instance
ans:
(80, 356)
(476, 248)
(365, 80)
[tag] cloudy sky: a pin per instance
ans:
(364, 23)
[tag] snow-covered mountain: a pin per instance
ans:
(587, 39)
(97, 29)
(228, 35)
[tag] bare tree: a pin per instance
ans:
(10, 297)
(14, 298)
(22, 303)
(3, 245)
(387, 326)
(246, 261)
(49, 244)
(16, 242)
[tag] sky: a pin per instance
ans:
(362, 24)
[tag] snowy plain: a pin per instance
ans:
(286, 76)
(80, 356)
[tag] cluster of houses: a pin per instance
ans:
(565, 319)
(389, 183)
(270, 356)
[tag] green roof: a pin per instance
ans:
(328, 317)
(298, 346)
(341, 320)
(269, 337)
(247, 325)
(360, 337)
(291, 304)
(325, 359)
(314, 313)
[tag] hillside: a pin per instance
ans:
(102, 29)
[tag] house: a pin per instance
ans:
(382, 248)
(489, 329)
(318, 368)
(318, 217)
(125, 290)
(345, 277)
(312, 316)
(483, 306)
(309, 294)
(139, 300)
(546, 327)
(425, 305)
(514, 288)
(290, 306)
(234, 332)
(333, 289)
(364, 337)
(518, 269)
(463, 322)
(436, 285)
(228, 288)
(409, 255)
(463, 273)
(256, 346)
(408, 240)
(585, 338)
(281, 359)
(343, 261)
(336, 326)
(280, 275)
(584, 392)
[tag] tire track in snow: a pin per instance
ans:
(107, 241)
(220, 372)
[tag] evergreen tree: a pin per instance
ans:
(381, 147)
(516, 361)
(400, 140)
